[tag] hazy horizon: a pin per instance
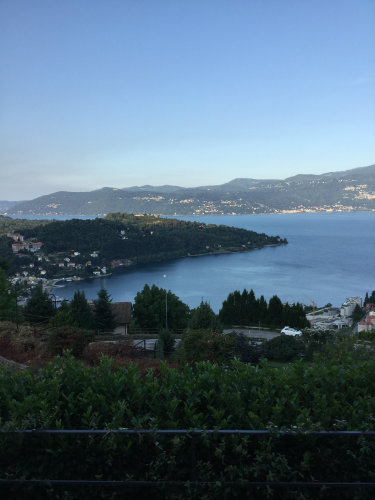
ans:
(160, 185)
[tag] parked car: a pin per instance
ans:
(287, 330)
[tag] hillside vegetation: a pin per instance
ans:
(145, 238)
(332, 394)
(347, 190)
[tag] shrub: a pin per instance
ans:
(283, 348)
(325, 395)
(246, 352)
(205, 345)
(122, 352)
(20, 343)
(68, 337)
(167, 341)
(370, 336)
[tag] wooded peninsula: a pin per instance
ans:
(86, 247)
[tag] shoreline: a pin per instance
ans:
(39, 216)
(233, 251)
(120, 269)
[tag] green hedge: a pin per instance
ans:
(324, 395)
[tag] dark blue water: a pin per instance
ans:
(330, 256)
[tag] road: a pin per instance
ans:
(254, 334)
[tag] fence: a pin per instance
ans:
(191, 480)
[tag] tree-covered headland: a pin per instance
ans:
(118, 238)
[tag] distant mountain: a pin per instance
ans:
(7, 205)
(348, 190)
(159, 189)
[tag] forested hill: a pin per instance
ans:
(334, 191)
(144, 238)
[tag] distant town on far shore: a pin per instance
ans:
(349, 190)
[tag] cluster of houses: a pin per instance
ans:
(68, 263)
(64, 266)
(367, 324)
(20, 244)
(65, 262)
(334, 318)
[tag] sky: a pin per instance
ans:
(119, 93)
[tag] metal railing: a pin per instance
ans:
(191, 481)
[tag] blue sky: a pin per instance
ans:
(118, 93)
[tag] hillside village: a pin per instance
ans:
(36, 267)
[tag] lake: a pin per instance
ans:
(330, 256)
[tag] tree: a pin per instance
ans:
(357, 314)
(155, 308)
(7, 298)
(371, 299)
(252, 308)
(203, 317)
(63, 316)
(275, 311)
(104, 319)
(283, 348)
(68, 337)
(39, 308)
(243, 308)
(81, 314)
(246, 352)
(167, 343)
(262, 309)
(230, 311)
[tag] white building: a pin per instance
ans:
(348, 306)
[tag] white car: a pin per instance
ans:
(287, 330)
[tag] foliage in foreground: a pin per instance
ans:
(302, 397)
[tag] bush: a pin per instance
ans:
(325, 395)
(246, 351)
(369, 336)
(122, 352)
(68, 337)
(19, 343)
(346, 349)
(167, 343)
(205, 345)
(283, 348)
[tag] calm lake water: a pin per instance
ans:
(330, 256)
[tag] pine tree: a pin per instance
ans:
(104, 319)
(275, 311)
(81, 313)
(39, 308)
(262, 309)
(63, 315)
(252, 309)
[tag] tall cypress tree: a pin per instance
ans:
(275, 311)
